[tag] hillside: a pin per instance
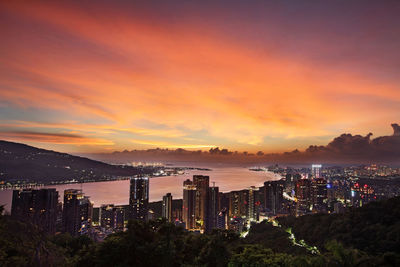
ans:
(373, 228)
(20, 162)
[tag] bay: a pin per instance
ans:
(117, 192)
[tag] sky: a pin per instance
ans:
(272, 76)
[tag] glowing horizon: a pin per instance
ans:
(265, 77)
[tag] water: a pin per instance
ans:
(117, 192)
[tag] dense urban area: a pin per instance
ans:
(296, 215)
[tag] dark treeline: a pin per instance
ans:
(373, 228)
(368, 236)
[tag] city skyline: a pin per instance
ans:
(268, 77)
(199, 133)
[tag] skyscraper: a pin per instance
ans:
(222, 219)
(112, 217)
(201, 210)
(244, 202)
(86, 213)
(77, 211)
(167, 207)
(213, 208)
(189, 203)
(234, 204)
(303, 196)
(139, 198)
(319, 194)
(107, 216)
(36, 206)
(251, 210)
(223, 199)
(119, 217)
(316, 170)
(273, 195)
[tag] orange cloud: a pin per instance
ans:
(170, 145)
(187, 78)
(54, 138)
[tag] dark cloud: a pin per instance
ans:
(344, 149)
(396, 129)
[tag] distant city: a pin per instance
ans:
(301, 191)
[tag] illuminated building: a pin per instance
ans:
(222, 219)
(86, 213)
(201, 206)
(303, 196)
(362, 194)
(234, 204)
(319, 194)
(119, 217)
(107, 216)
(167, 207)
(77, 212)
(189, 202)
(244, 203)
(251, 210)
(223, 199)
(96, 216)
(238, 203)
(213, 207)
(273, 195)
(139, 198)
(36, 206)
(177, 214)
(316, 170)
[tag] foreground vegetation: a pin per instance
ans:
(362, 237)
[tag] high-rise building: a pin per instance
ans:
(213, 207)
(303, 196)
(139, 198)
(273, 195)
(36, 206)
(167, 207)
(251, 210)
(202, 184)
(234, 204)
(96, 216)
(119, 217)
(319, 194)
(316, 170)
(189, 204)
(77, 211)
(223, 200)
(244, 203)
(86, 213)
(107, 216)
(112, 217)
(222, 219)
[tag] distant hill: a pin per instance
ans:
(20, 162)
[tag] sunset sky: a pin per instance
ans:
(93, 76)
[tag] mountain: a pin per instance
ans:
(20, 162)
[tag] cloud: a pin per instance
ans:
(344, 149)
(54, 138)
(189, 74)
(171, 145)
